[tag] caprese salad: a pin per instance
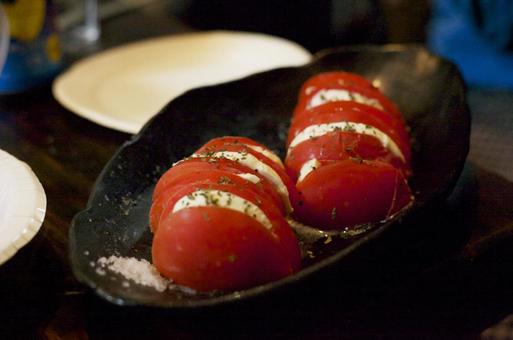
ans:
(219, 216)
(349, 153)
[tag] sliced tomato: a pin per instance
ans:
(211, 248)
(218, 145)
(333, 79)
(353, 112)
(194, 173)
(346, 193)
(216, 230)
(371, 95)
(193, 165)
(193, 169)
(235, 140)
(220, 142)
(246, 192)
(340, 145)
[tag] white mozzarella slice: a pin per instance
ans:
(308, 167)
(267, 153)
(250, 177)
(222, 199)
(319, 130)
(333, 95)
(257, 165)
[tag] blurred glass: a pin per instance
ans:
(78, 22)
(4, 37)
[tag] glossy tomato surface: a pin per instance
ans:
(340, 145)
(346, 193)
(334, 79)
(200, 174)
(353, 112)
(370, 95)
(210, 248)
(263, 150)
(217, 145)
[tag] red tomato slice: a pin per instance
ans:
(220, 142)
(194, 169)
(346, 193)
(187, 176)
(174, 174)
(210, 248)
(222, 246)
(218, 145)
(387, 105)
(340, 145)
(236, 140)
(246, 192)
(353, 112)
(333, 79)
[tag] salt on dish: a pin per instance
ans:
(138, 270)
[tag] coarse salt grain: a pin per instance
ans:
(138, 270)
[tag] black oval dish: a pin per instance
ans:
(428, 90)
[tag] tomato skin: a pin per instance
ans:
(339, 145)
(215, 144)
(356, 179)
(195, 170)
(209, 178)
(217, 245)
(353, 112)
(225, 144)
(332, 79)
(346, 193)
(195, 165)
(246, 192)
(356, 87)
(211, 248)
(219, 145)
(225, 140)
(243, 143)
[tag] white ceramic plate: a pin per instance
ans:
(22, 205)
(123, 87)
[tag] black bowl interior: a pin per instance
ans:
(428, 90)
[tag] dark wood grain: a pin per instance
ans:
(66, 153)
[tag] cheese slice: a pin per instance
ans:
(222, 199)
(319, 130)
(308, 167)
(334, 95)
(250, 177)
(267, 153)
(257, 165)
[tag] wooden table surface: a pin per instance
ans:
(457, 294)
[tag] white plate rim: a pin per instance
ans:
(298, 56)
(27, 222)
